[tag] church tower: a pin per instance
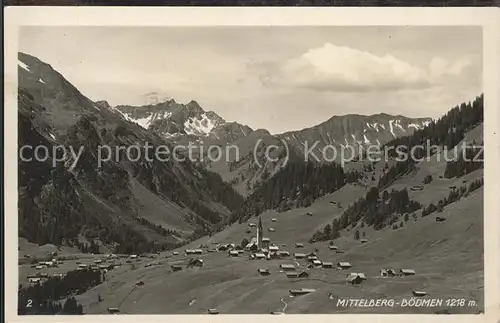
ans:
(259, 234)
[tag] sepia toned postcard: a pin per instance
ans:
(244, 161)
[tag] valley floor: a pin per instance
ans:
(446, 256)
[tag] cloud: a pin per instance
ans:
(332, 68)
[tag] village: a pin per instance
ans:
(273, 260)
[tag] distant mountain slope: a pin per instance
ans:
(137, 203)
(353, 130)
(172, 119)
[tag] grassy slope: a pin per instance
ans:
(448, 259)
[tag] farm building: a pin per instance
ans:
(189, 252)
(234, 253)
(332, 247)
(287, 267)
(354, 279)
(406, 272)
(418, 293)
(176, 267)
(34, 280)
(387, 272)
(299, 245)
(357, 274)
(222, 247)
(316, 262)
(311, 258)
(299, 255)
(263, 272)
(283, 253)
(273, 248)
(303, 274)
(260, 256)
(327, 264)
(302, 291)
(343, 265)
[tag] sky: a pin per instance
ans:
(276, 78)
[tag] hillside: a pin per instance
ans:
(130, 203)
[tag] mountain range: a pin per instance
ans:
(148, 203)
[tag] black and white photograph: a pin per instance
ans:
(322, 169)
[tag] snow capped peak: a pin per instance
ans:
(195, 126)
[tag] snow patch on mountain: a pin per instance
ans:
(23, 65)
(194, 126)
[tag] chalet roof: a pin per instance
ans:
(287, 266)
(344, 264)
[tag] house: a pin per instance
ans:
(333, 202)
(263, 272)
(133, 256)
(264, 239)
(292, 274)
(233, 253)
(82, 266)
(303, 274)
(354, 279)
(327, 264)
(175, 253)
(140, 283)
(310, 266)
(34, 280)
(287, 267)
(283, 253)
(332, 247)
(311, 258)
(302, 291)
(176, 267)
(387, 272)
(299, 245)
(195, 263)
(276, 313)
(97, 261)
(440, 219)
(189, 252)
(260, 256)
(222, 247)
(311, 254)
(299, 255)
(363, 240)
(274, 248)
(418, 293)
(113, 310)
(406, 272)
(339, 251)
(361, 275)
(198, 251)
(309, 213)
(273, 220)
(39, 267)
(316, 262)
(343, 265)
(213, 311)
(417, 188)
(251, 225)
